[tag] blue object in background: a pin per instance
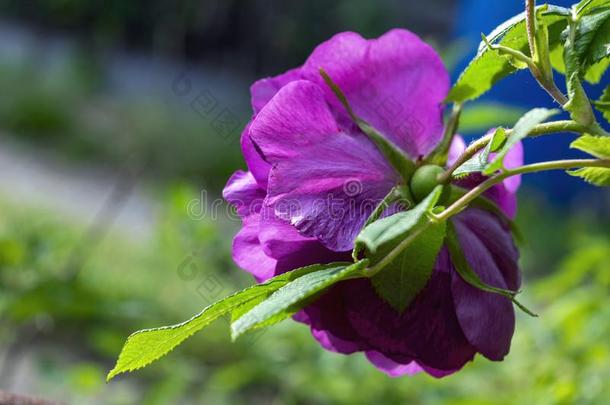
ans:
(520, 89)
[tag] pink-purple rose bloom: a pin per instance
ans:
(302, 148)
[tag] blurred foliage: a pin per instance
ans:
(273, 35)
(72, 320)
(478, 118)
(62, 109)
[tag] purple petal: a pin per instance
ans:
(350, 317)
(457, 147)
(329, 324)
(283, 242)
(514, 158)
(263, 90)
(280, 239)
(396, 82)
(254, 160)
(324, 182)
(392, 368)
(498, 241)
(248, 253)
(427, 332)
(503, 194)
(296, 117)
(244, 193)
(487, 319)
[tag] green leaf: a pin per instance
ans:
(388, 230)
(284, 302)
(587, 6)
(598, 176)
(488, 66)
(479, 161)
(145, 346)
(596, 71)
(593, 73)
(397, 158)
(586, 46)
(579, 105)
(603, 104)
(523, 127)
(400, 282)
(598, 146)
(479, 117)
(462, 267)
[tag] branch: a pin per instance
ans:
(541, 129)
(530, 23)
(545, 79)
(460, 204)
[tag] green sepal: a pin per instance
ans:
(383, 234)
(479, 162)
(522, 128)
(401, 280)
(579, 105)
(462, 267)
(397, 158)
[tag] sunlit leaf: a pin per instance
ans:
(284, 302)
(523, 127)
(401, 280)
(586, 45)
(145, 346)
(603, 104)
(488, 66)
(598, 146)
(598, 176)
(479, 162)
(587, 6)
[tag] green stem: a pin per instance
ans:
(460, 204)
(530, 23)
(541, 129)
(545, 79)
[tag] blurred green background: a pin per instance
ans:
(114, 116)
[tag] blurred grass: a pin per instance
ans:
(64, 107)
(73, 327)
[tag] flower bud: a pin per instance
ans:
(424, 180)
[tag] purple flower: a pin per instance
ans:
(314, 178)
